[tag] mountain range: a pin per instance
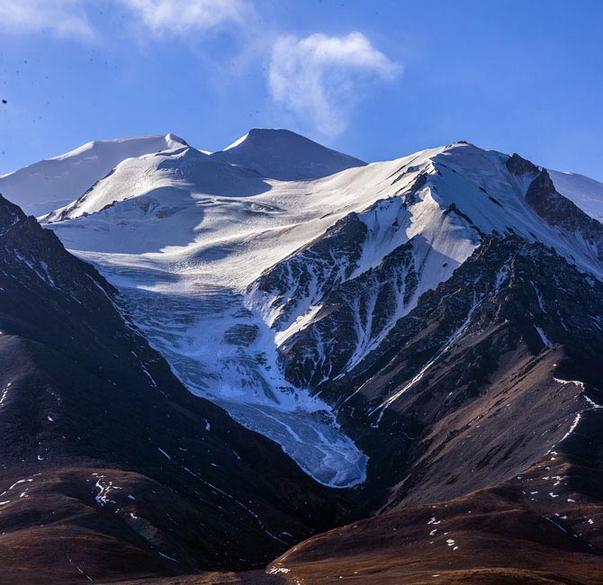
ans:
(277, 363)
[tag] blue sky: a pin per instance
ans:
(377, 79)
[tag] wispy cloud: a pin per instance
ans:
(180, 17)
(61, 18)
(319, 78)
(68, 18)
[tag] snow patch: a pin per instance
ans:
(547, 342)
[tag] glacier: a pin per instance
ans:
(186, 236)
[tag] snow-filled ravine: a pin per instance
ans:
(183, 235)
(223, 352)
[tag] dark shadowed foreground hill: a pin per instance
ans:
(109, 466)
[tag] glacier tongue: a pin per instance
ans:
(223, 352)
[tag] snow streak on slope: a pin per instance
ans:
(243, 282)
(46, 185)
(438, 355)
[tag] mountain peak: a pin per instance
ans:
(134, 145)
(284, 155)
(49, 184)
(268, 136)
(174, 141)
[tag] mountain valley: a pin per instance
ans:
(277, 363)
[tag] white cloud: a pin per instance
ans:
(319, 77)
(62, 18)
(177, 17)
(67, 18)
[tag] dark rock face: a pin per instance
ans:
(524, 284)
(520, 166)
(354, 317)
(466, 386)
(352, 312)
(558, 211)
(302, 279)
(109, 466)
(479, 414)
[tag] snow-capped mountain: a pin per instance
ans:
(241, 279)
(425, 330)
(284, 155)
(48, 184)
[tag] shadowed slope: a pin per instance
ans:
(109, 466)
